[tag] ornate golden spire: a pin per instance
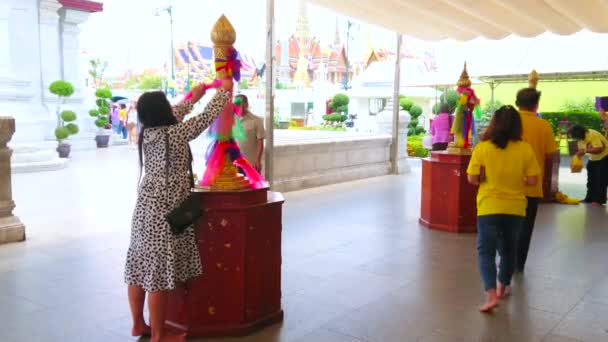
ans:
(533, 79)
(222, 33)
(464, 81)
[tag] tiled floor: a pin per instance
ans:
(357, 266)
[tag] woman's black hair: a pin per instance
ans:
(445, 108)
(153, 110)
(504, 127)
(577, 132)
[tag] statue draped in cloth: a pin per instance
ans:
(467, 110)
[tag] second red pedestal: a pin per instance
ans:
(448, 201)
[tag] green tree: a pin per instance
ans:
(586, 105)
(150, 82)
(97, 67)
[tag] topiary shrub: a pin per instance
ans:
(415, 112)
(451, 97)
(405, 103)
(62, 133)
(68, 116)
(63, 89)
(103, 93)
(339, 103)
(103, 107)
(73, 128)
(436, 108)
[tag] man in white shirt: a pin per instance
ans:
(253, 146)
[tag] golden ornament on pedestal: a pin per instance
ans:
(533, 79)
(464, 81)
(223, 37)
(454, 149)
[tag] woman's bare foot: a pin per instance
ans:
(596, 204)
(503, 291)
(491, 301)
(141, 329)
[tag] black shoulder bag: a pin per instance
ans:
(190, 210)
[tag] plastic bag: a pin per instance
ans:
(576, 165)
(427, 142)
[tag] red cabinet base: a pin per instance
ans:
(551, 178)
(239, 292)
(448, 201)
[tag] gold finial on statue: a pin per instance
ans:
(533, 79)
(222, 33)
(464, 81)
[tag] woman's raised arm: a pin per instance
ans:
(194, 126)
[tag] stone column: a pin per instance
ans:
(5, 57)
(70, 61)
(11, 228)
(384, 120)
(50, 48)
(70, 54)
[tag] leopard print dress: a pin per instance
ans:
(158, 260)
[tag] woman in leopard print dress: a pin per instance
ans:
(158, 260)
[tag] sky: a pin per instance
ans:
(130, 36)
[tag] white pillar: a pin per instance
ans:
(269, 157)
(399, 129)
(5, 57)
(70, 53)
(20, 94)
(50, 47)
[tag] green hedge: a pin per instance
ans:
(589, 120)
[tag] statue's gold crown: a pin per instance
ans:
(464, 81)
(223, 33)
(533, 79)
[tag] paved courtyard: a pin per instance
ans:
(356, 265)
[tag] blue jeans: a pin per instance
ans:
(497, 233)
(122, 130)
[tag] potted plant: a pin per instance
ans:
(65, 119)
(101, 113)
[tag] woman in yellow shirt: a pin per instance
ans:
(503, 166)
(593, 142)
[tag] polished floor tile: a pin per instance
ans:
(357, 266)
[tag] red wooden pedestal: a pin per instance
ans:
(448, 201)
(239, 292)
(551, 178)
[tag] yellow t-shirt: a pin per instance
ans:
(503, 189)
(538, 133)
(595, 139)
(122, 114)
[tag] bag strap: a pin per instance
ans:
(190, 161)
